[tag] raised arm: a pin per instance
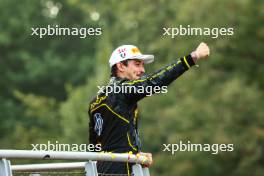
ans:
(167, 74)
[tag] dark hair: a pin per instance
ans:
(114, 68)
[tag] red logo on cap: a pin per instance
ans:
(122, 52)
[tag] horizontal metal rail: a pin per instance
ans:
(89, 166)
(57, 155)
(48, 167)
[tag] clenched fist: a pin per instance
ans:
(202, 51)
(149, 158)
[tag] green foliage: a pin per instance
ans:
(46, 84)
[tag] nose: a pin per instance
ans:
(142, 69)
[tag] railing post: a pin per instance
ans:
(5, 168)
(90, 169)
(137, 170)
(145, 171)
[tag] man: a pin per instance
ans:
(114, 116)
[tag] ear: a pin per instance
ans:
(120, 67)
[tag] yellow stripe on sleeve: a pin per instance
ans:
(184, 58)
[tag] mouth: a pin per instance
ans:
(139, 75)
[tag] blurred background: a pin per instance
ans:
(46, 84)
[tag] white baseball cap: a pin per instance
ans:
(126, 52)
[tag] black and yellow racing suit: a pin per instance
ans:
(113, 117)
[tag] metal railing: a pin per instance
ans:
(89, 166)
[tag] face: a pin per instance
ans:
(134, 69)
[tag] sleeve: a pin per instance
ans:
(160, 78)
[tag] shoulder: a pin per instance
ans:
(131, 82)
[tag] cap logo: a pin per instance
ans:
(122, 52)
(135, 50)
